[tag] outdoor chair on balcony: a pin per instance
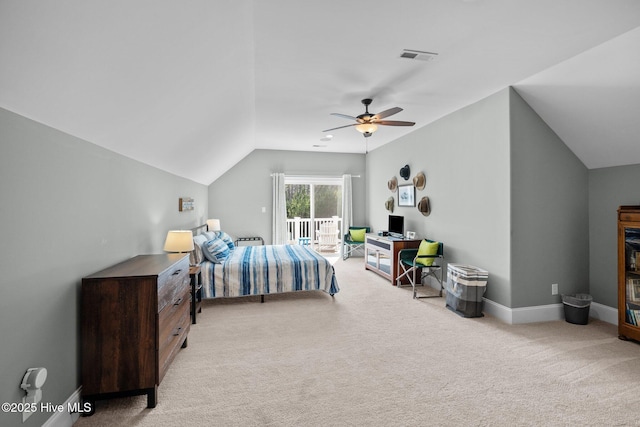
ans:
(328, 237)
(354, 240)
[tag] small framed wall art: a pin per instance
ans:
(406, 195)
(185, 204)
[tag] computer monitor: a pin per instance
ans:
(396, 225)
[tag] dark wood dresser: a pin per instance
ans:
(134, 319)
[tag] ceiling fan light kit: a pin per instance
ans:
(367, 129)
(367, 123)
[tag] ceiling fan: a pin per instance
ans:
(367, 123)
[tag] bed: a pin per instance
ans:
(234, 271)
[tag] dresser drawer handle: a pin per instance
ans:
(177, 272)
(177, 332)
(178, 302)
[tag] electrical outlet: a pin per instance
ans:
(554, 289)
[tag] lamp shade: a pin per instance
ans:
(213, 224)
(179, 241)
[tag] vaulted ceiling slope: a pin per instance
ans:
(193, 87)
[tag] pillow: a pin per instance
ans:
(357, 234)
(427, 248)
(225, 238)
(215, 250)
(196, 255)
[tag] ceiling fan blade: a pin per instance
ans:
(387, 113)
(344, 116)
(340, 127)
(393, 123)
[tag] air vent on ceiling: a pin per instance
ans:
(418, 54)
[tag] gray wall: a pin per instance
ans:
(238, 196)
(608, 189)
(69, 209)
(506, 194)
(465, 157)
(549, 212)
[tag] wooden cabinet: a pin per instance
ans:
(134, 319)
(381, 254)
(629, 272)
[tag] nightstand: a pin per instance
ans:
(196, 292)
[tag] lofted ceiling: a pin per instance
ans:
(192, 87)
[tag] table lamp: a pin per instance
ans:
(179, 241)
(213, 225)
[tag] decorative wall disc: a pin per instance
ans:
(424, 207)
(389, 204)
(392, 184)
(419, 181)
(405, 172)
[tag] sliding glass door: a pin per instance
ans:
(314, 209)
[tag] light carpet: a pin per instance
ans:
(373, 356)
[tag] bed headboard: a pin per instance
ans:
(199, 229)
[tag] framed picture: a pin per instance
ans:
(185, 204)
(406, 195)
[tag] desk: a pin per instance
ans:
(381, 254)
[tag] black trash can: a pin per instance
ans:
(576, 308)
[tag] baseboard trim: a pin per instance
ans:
(545, 313)
(66, 418)
(499, 311)
(604, 313)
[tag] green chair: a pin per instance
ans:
(350, 244)
(428, 259)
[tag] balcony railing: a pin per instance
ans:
(307, 232)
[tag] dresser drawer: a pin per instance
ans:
(174, 322)
(379, 244)
(172, 282)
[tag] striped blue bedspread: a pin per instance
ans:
(270, 269)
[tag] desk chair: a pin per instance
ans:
(428, 258)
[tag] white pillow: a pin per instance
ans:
(196, 255)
